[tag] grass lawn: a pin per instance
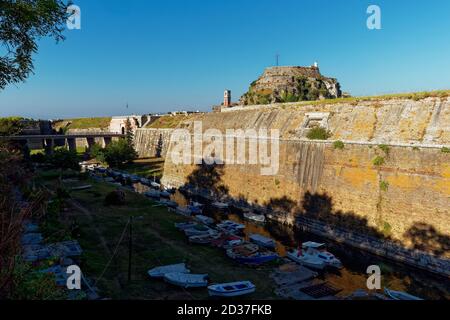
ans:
(146, 167)
(155, 242)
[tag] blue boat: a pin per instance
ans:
(257, 258)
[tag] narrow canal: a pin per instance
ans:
(353, 276)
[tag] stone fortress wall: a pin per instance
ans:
(405, 197)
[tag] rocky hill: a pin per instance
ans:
(291, 84)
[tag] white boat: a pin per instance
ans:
(220, 205)
(232, 289)
(400, 295)
(254, 217)
(159, 272)
(262, 241)
(204, 219)
(314, 256)
(152, 194)
(155, 185)
(187, 280)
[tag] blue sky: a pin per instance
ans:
(181, 55)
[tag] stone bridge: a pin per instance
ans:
(48, 141)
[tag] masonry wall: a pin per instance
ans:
(152, 142)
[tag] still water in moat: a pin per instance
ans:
(353, 276)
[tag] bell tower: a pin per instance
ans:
(227, 98)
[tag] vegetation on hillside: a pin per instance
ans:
(10, 126)
(169, 121)
(82, 123)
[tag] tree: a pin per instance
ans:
(22, 24)
(64, 159)
(129, 133)
(119, 152)
(11, 125)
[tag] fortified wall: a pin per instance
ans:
(389, 177)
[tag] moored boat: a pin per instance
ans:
(231, 289)
(185, 225)
(203, 239)
(199, 230)
(262, 241)
(313, 255)
(183, 211)
(254, 217)
(400, 295)
(256, 258)
(230, 226)
(152, 194)
(165, 194)
(187, 280)
(159, 272)
(204, 219)
(220, 205)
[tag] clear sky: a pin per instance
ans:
(167, 55)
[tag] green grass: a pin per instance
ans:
(416, 96)
(169, 122)
(84, 123)
(378, 161)
(384, 186)
(156, 242)
(445, 150)
(338, 145)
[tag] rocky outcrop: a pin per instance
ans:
(291, 84)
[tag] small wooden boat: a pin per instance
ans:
(244, 249)
(199, 230)
(159, 272)
(254, 217)
(256, 258)
(185, 225)
(169, 203)
(165, 194)
(152, 194)
(204, 219)
(81, 188)
(400, 295)
(262, 241)
(220, 205)
(187, 280)
(231, 227)
(232, 289)
(183, 211)
(203, 239)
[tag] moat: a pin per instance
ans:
(352, 277)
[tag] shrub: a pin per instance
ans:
(119, 152)
(384, 148)
(384, 186)
(115, 198)
(97, 152)
(387, 229)
(378, 161)
(64, 159)
(318, 133)
(445, 150)
(38, 157)
(338, 145)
